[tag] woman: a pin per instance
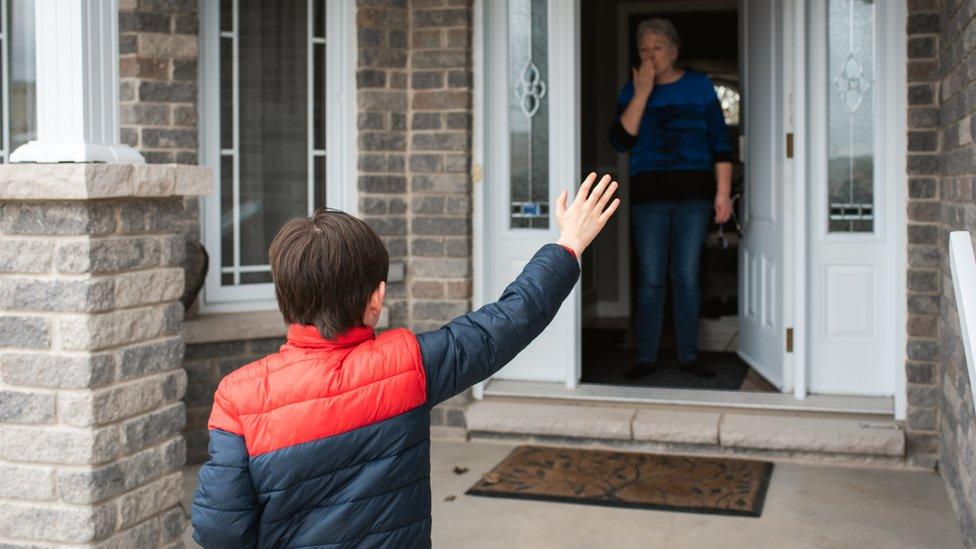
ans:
(680, 171)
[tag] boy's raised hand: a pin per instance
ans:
(580, 223)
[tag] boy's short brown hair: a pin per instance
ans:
(325, 268)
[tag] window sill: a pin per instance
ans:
(213, 327)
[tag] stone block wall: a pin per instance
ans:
(206, 364)
(954, 209)
(90, 353)
(924, 256)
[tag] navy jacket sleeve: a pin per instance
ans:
(472, 347)
(718, 132)
(225, 510)
(619, 139)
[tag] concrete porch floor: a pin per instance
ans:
(806, 506)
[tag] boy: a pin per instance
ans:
(327, 442)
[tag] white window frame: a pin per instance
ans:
(340, 154)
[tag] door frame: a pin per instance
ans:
(796, 295)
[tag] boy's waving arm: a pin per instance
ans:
(474, 346)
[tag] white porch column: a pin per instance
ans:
(77, 43)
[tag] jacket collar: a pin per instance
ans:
(308, 337)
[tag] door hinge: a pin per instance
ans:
(789, 145)
(789, 340)
(476, 173)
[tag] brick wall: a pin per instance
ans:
(158, 74)
(414, 81)
(415, 84)
(439, 165)
(206, 364)
(381, 77)
(951, 207)
(924, 257)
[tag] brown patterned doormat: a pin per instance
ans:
(624, 479)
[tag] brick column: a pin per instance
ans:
(90, 353)
(924, 211)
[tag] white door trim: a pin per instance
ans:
(894, 40)
(478, 203)
(561, 46)
(795, 197)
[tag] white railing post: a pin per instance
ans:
(962, 264)
(77, 55)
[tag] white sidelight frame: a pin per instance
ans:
(891, 179)
(492, 204)
(340, 109)
(77, 56)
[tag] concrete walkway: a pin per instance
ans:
(806, 506)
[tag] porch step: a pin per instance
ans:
(839, 436)
(710, 430)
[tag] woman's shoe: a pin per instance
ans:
(696, 369)
(641, 369)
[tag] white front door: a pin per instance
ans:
(856, 120)
(531, 153)
(761, 258)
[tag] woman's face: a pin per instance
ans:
(659, 50)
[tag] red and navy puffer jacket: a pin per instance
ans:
(327, 442)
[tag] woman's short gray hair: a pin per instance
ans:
(659, 26)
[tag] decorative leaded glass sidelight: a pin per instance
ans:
(528, 113)
(851, 103)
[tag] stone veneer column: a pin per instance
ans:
(90, 353)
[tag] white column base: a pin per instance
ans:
(44, 152)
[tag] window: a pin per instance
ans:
(19, 114)
(528, 113)
(266, 99)
(851, 35)
(729, 98)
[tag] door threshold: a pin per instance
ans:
(591, 392)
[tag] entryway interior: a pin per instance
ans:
(710, 44)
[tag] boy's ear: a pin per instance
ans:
(375, 305)
(378, 294)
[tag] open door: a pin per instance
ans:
(762, 336)
(531, 155)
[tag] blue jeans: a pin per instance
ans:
(663, 229)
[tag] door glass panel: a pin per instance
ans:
(528, 113)
(850, 115)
